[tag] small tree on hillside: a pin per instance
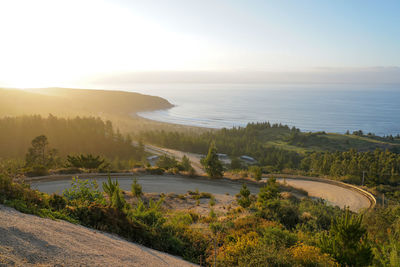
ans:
(347, 241)
(244, 199)
(39, 154)
(269, 191)
(118, 201)
(166, 162)
(136, 189)
(186, 164)
(212, 164)
(257, 172)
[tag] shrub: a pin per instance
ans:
(118, 201)
(165, 162)
(256, 172)
(346, 241)
(305, 255)
(212, 202)
(83, 192)
(244, 200)
(57, 202)
(37, 170)
(136, 188)
(110, 187)
(155, 170)
(70, 170)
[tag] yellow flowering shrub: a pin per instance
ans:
(306, 255)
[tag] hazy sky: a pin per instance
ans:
(50, 42)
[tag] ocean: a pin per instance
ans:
(310, 107)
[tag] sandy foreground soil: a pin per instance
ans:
(27, 240)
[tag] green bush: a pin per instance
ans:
(83, 192)
(57, 202)
(136, 189)
(155, 170)
(37, 170)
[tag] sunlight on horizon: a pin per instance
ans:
(55, 43)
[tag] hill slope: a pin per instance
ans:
(27, 240)
(117, 106)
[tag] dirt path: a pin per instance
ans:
(27, 240)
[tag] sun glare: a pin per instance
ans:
(53, 42)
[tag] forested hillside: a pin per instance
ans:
(117, 106)
(69, 136)
(278, 147)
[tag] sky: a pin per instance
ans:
(55, 42)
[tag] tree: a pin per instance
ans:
(39, 153)
(347, 241)
(244, 199)
(136, 189)
(165, 162)
(257, 172)
(212, 164)
(118, 201)
(269, 191)
(186, 164)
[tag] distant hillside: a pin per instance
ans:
(116, 106)
(60, 101)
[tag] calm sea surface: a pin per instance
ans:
(315, 107)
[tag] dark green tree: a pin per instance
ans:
(39, 154)
(347, 241)
(269, 191)
(257, 172)
(212, 164)
(244, 199)
(166, 162)
(118, 201)
(186, 164)
(136, 188)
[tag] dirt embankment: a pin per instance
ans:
(27, 240)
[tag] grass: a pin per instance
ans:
(328, 142)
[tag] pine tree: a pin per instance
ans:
(212, 164)
(118, 200)
(136, 189)
(347, 241)
(269, 191)
(244, 199)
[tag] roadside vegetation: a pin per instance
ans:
(267, 229)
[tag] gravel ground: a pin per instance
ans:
(27, 240)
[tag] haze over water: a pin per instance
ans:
(310, 107)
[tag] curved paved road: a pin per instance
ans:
(156, 183)
(333, 194)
